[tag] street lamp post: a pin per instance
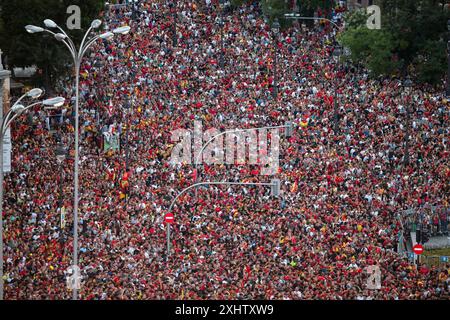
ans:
(275, 191)
(407, 84)
(61, 154)
(77, 56)
(275, 30)
(16, 110)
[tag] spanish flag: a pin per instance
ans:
(294, 187)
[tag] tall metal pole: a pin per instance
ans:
(275, 80)
(61, 186)
(407, 84)
(76, 182)
(168, 241)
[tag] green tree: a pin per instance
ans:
(274, 9)
(308, 7)
(373, 48)
(411, 39)
(46, 53)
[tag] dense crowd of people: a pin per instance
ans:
(344, 174)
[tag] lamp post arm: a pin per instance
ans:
(72, 50)
(197, 160)
(18, 100)
(6, 124)
(86, 47)
(84, 38)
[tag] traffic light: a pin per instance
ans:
(288, 129)
(418, 235)
(275, 187)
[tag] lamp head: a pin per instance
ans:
(122, 30)
(18, 108)
(35, 93)
(60, 36)
(54, 102)
(50, 23)
(96, 23)
(33, 29)
(107, 35)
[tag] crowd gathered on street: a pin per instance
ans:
(362, 151)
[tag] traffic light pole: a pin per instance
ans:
(275, 185)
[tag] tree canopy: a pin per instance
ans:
(412, 39)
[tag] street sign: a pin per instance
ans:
(275, 187)
(288, 129)
(418, 249)
(73, 278)
(7, 149)
(169, 218)
(63, 217)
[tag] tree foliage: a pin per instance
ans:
(274, 9)
(411, 39)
